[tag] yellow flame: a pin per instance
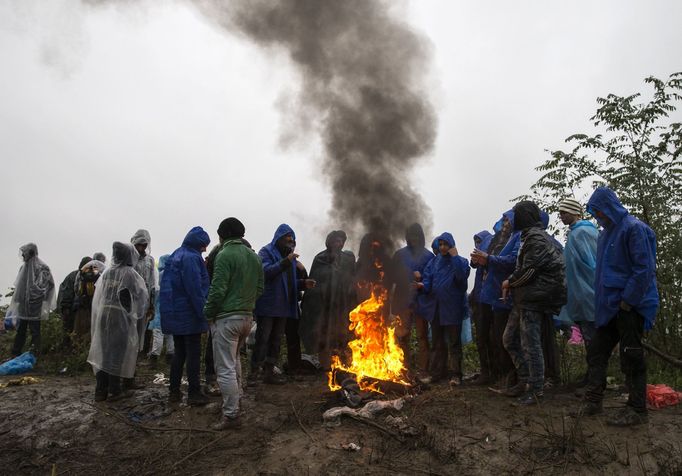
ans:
(376, 353)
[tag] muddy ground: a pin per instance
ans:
(54, 427)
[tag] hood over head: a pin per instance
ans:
(482, 235)
(544, 219)
(446, 237)
(196, 239)
(100, 257)
(526, 215)
(28, 251)
(509, 215)
(281, 231)
(416, 232)
(141, 237)
(434, 246)
(605, 200)
(333, 235)
(123, 254)
(85, 260)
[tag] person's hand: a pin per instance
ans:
(481, 257)
(505, 289)
(309, 283)
(625, 306)
(417, 276)
(417, 286)
(453, 251)
(292, 256)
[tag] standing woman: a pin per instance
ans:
(118, 305)
(33, 298)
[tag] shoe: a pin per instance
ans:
(100, 396)
(587, 409)
(197, 400)
(628, 417)
(455, 381)
(227, 423)
(530, 398)
(515, 391)
(212, 390)
(175, 396)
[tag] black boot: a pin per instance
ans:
(102, 387)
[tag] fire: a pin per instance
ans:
(376, 353)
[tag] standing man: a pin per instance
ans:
(626, 301)
(237, 283)
(539, 290)
(483, 323)
(580, 255)
(66, 301)
(182, 298)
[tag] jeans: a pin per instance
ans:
(483, 320)
(187, 349)
(502, 363)
(523, 341)
(625, 329)
(268, 340)
(159, 340)
(453, 334)
(20, 337)
(423, 348)
(229, 335)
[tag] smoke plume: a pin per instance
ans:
(363, 87)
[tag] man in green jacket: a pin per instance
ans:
(237, 283)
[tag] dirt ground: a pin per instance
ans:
(54, 427)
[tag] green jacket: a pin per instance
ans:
(237, 281)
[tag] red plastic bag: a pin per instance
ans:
(659, 396)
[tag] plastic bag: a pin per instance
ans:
(466, 331)
(660, 396)
(18, 365)
(576, 336)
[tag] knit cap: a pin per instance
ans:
(571, 206)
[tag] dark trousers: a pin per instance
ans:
(625, 329)
(483, 321)
(209, 363)
(523, 341)
(107, 383)
(550, 350)
(453, 335)
(20, 337)
(187, 350)
(68, 319)
(423, 348)
(269, 332)
(501, 364)
(293, 344)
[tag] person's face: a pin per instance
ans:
(141, 248)
(412, 240)
(602, 218)
(567, 218)
(336, 245)
(443, 247)
(506, 225)
(288, 241)
(477, 242)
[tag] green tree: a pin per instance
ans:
(636, 152)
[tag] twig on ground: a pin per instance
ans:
(199, 450)
(298, 419)
(377, 426)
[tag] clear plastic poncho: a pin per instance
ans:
(34, 289)
(118, 306)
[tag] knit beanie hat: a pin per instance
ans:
(231, 228)
(571, 206)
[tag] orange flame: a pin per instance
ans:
(376, 353)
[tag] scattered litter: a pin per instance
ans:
(20, 381)
(660, 396)
(576, 336)
(18, 365)
(351, 447)
(400, 423)
(333, 416)
(161, 379)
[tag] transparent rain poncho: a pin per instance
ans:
(119, 304)
(34, 290)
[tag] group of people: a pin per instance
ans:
(525, 281)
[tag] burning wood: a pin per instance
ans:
(376, 355)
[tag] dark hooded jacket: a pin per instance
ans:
(626, 261)
(279, 298)
(538, 283)
(66, 299)
(446, 280)
(406, 261)
(374, 265)
(501, 262)
(325, 308)
(184, 287)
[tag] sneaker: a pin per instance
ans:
(515, 391)
(456, 381)
(628, 417)
(530, 398)
(175, 396)
(587, 409)
(227, 423)
(197, 400)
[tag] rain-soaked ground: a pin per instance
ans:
(54, 427)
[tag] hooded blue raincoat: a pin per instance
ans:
(626, 262)
(156, 322)
(278, 300)
(184, 287)
(580, 255)
(446, 279)
(486, 237)
(499, 268)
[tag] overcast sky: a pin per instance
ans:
(114, 119)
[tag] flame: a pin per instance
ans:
(375, 350)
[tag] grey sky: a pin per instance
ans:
(114, 119)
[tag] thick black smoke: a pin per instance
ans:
(363, 85)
